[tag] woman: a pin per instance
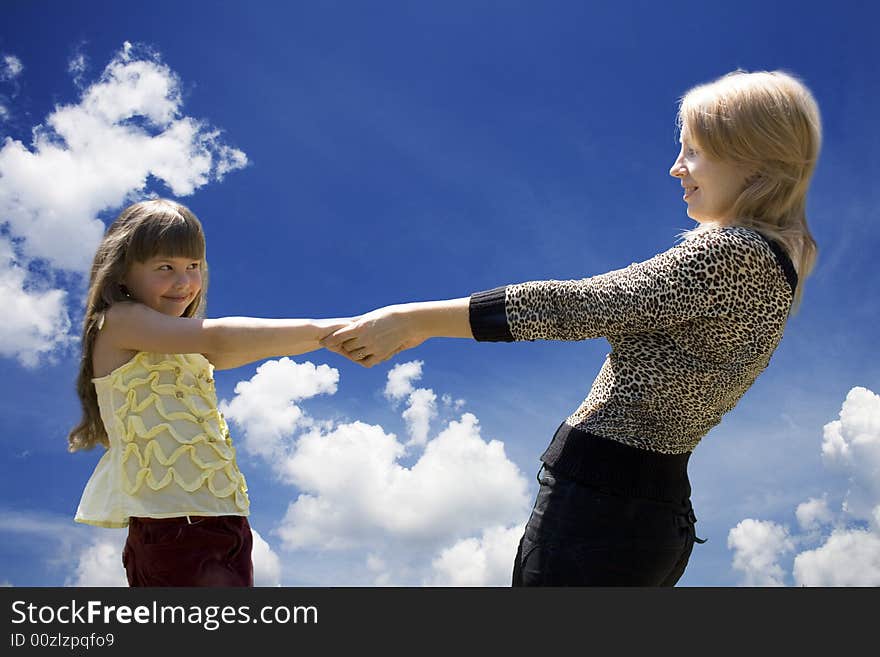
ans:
(690, 330)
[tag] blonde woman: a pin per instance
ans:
(690, 330)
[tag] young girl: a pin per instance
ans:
(147, 390)
(690, 331)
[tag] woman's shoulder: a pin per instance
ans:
(722, 234)
(731, 240)
(751, 242)
(742, 245)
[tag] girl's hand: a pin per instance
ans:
(376, 336)
(328, 326)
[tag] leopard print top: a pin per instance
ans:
(690, 330)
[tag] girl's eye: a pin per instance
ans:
(167, 267)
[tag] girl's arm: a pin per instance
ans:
(227, 342)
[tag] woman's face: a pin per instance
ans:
(167, 285)
(711, 186)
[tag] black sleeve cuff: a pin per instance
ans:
(488, 316)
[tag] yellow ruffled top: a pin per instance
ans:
(170, 451)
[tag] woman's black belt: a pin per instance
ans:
(611, 465)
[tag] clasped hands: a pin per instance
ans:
(375, 337)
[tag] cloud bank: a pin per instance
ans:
(100, 153)
(836, 547)
(445, 509)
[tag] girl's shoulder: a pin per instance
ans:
(107, 356)
(133, 327)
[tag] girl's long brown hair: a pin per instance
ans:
(140, 232)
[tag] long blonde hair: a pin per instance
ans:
(141, 231)
(768, 123)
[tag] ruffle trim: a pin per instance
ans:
(213, 430)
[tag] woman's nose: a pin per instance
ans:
(677, 170)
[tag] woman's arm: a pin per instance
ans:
(712, 275)
(227, 342)
(383, 333)
(701, 278)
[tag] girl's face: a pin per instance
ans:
(167, 285)
(711, 186)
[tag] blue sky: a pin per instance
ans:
(387, 152)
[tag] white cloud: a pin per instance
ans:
(367, 509)
(852, 444)
(35, 320)
(356, 493)
(99, 154)
(814, 513)
(449, 401)
(847, 558)
(757, 546)
(850, 554)
(100, 562)
(421, 402)
(77, 66)
(267, 565)
(10, 67)
(421, 410)
(484, 561)
(400, 379)
(265, 406)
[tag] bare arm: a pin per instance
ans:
(385, 332)
(227, 341)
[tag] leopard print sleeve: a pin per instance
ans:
(710, 275)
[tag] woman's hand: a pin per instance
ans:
(377, 336)
(328, 326)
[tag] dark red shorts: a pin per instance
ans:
(201, 551)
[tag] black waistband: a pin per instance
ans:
(597, 461)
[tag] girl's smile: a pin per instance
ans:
(165, 284)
